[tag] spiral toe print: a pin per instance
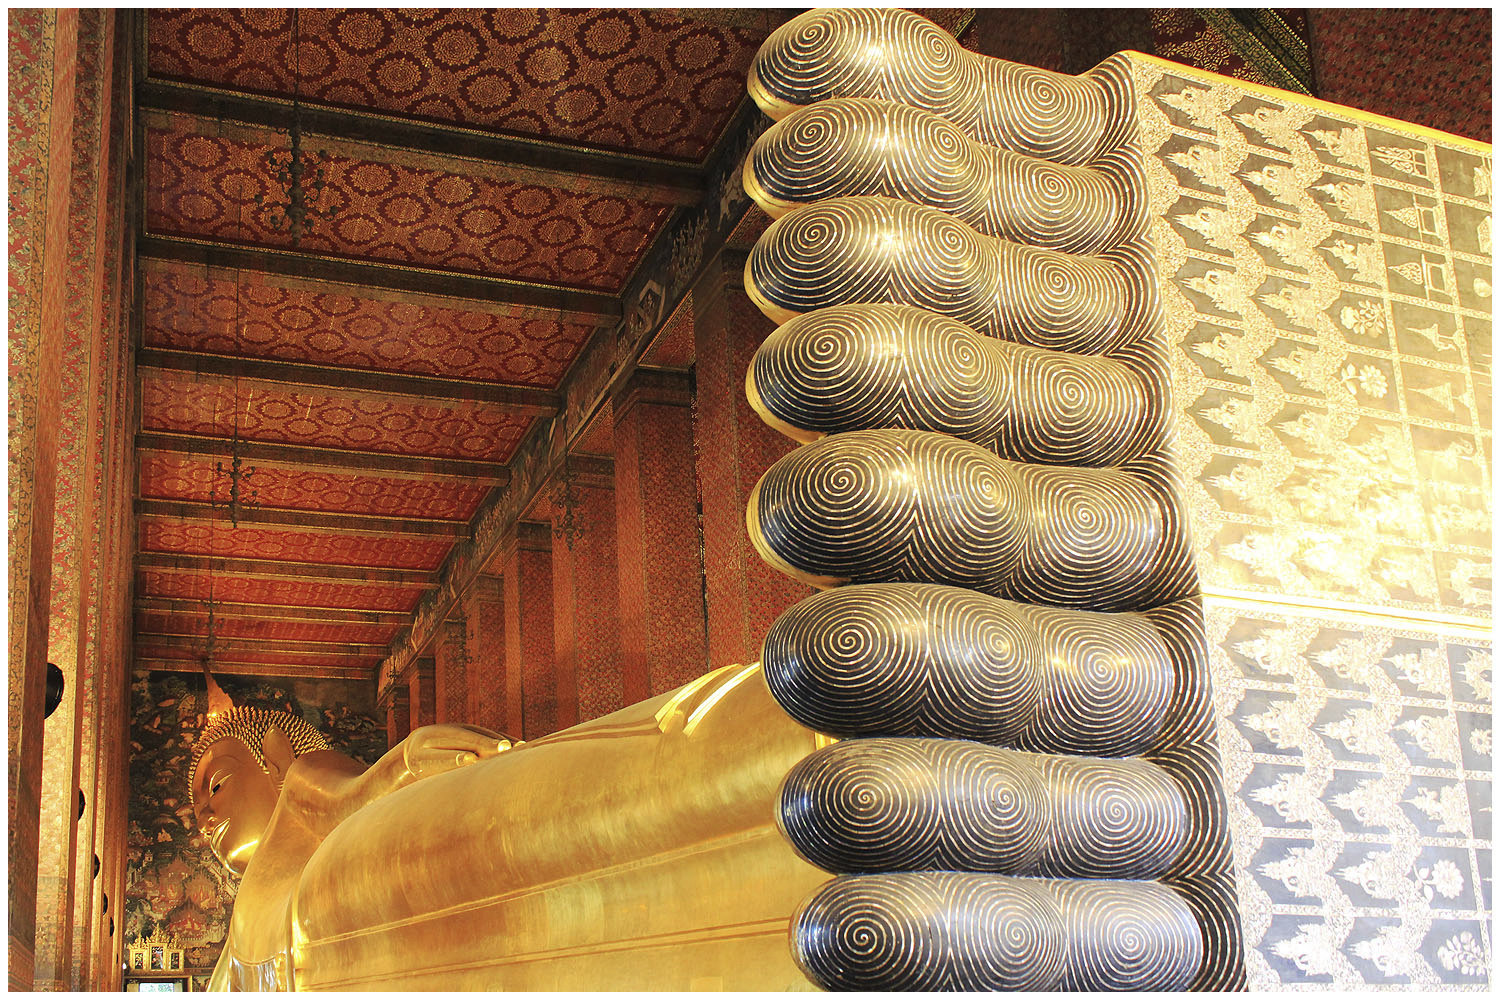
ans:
(949, 805)
(873, 249)
(895, 55)
(912, 506)
(965, 931)
(871, 366)
(851, 147)
(971, 354)
(891, 659)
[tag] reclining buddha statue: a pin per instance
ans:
(980, 757)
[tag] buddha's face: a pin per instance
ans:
(233, 799)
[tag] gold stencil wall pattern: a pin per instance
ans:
(1326, 280)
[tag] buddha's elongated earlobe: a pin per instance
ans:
(277, 754)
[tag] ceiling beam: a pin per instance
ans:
(226, 668)
(272, 569)
(572, 305)
(638, 178)
(518, 398)
(361, 523)
(274, 612)
(337, 459)
(175, 646)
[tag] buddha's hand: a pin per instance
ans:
(435, 749)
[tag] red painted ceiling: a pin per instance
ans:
(292, 593)
(291, 346)
(382, 210)
(299, 545)
(196, 623)
(189, 308)
(201, 479)
(214, 406)
(634, 80)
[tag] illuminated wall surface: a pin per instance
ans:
(1326, 283)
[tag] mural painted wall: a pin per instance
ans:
(174, 885)
(1327, 285)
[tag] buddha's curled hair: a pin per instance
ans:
(249, 725)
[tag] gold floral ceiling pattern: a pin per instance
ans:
(262, 316)
(491, 180)
(635, 80)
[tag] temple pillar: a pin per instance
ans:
(69, 740)
(422, 692)
(733, 447)
(111, 832)
(586, 633)
(530, 691)
(96, 962)
(398, 715)
(450, 673)
(43, 64)
(486, 687)
(662, 638)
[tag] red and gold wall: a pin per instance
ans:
(70, 423)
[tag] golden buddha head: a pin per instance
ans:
(238, 765)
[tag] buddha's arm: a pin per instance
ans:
(325, 787)
(637, 849)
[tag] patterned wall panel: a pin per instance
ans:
(189, 308)
(639, 80)
(390, 210)
(1330, 293)
(1261, 45)
(212, 406)
(1327, 289)
(1432, 65)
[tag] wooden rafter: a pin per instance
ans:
(368, 524)
(307, 457)
(522, 399)
(572, 305)
(272, 612)
(180, 646)
(235, 668)
(275, 569)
